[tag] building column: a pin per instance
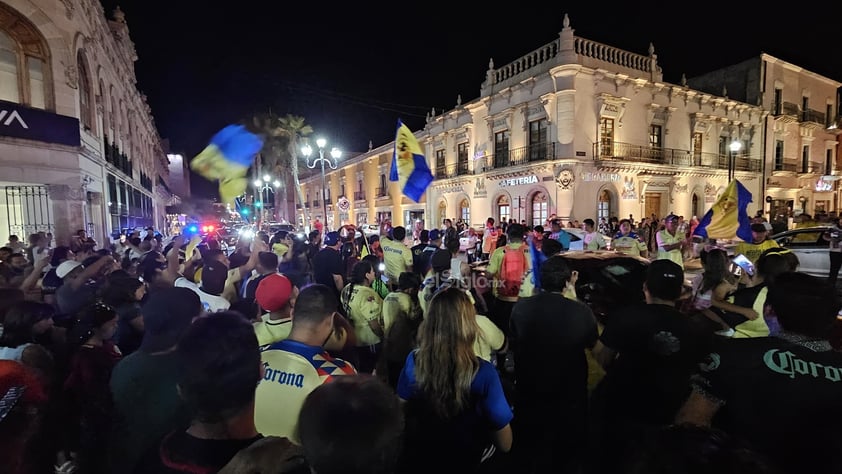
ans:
(68, 211)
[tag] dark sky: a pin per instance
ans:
(351, 69)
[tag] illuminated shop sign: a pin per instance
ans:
(504, 183)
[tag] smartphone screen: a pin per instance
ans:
(744, 263)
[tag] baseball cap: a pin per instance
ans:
(435, 234)
(66, 267)
(758, 227)
(671, 217)
(665, 279)
(331, 238)
(273, 292)
(440, 261)
(166, 315)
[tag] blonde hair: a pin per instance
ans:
(445, 362)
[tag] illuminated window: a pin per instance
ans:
(504, 209)
(465, 211)
(604, 205)
(540, 211)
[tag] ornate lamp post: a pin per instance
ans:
(335, 153)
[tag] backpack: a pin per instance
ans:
(512, 269)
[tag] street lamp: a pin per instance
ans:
(264, 187)
(335, 153)
(734, 147)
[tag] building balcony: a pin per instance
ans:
(382, 192)
(783, 166)
(359, 196)
(626, 152)
(317, 203)
(501, 159)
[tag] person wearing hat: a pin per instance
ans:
(327, 264)
(143, 384)
(275, 295)
(649, 352)
(759, 243)
(670, 242)
(76, 292)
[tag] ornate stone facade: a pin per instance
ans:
(109, 179)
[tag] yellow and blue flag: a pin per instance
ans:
(409, 166)
(728, 217)
(227, 158)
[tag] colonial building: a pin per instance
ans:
(580, 129)
(802, 131)
(78, 144)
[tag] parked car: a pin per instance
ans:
(370, 229)
(810, 247)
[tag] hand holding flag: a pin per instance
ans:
(409, 166)
(227, 159)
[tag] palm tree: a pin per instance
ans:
(283, 136)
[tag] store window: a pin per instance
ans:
(603, 209)
(465, 211)
(540, 208)
(504, 209)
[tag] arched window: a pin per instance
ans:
(465, 211)
(603, 209)
(696, 210)
(540, 211)
(23, 55)
(442, 211)
(504, 209)
(9, 87)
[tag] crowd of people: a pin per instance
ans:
(330, 352)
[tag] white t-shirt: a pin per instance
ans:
(211, 303)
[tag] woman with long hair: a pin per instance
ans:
(363, 306)
(455, 407)
(712, 288)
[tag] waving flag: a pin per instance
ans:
(227, 158)
(728, 217)
(538, 259)
(409, 167)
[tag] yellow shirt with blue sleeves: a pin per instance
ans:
(630, 244)
(664, 238)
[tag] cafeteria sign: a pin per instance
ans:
(504, 183)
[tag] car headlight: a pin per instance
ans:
(247, 233)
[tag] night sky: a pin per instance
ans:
(352, 69)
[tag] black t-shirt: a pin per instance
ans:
(238, 259)
(50, 282)
(785, 399)
(326, 263)
(420, 260)
(551, 332)
(658, 350)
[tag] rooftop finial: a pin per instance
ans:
(651, 49)
(566, 22)
(119, 16)
(370, 145)
(683, 79)
(458, 100)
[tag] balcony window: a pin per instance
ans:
(697, 148)
(382, 185)
(86, 105)
(805, 108)
(501, 149)
(606, 136)
(777, 106)
(655, 137)
(779, 155)
(462, 158)
(537, 139)
(828, 162)
(805, 159)
(440, 163)
(465, 211)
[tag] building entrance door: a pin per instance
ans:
(652, 205)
